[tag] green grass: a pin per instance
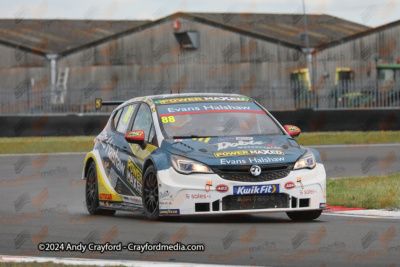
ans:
(378, 192)
(327, 138)
(21, 145)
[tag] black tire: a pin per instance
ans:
(304, 215)
(92, 193)
(150, 194)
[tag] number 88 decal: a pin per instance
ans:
(168, 119)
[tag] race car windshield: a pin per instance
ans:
(215, 119)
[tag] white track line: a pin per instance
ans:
(377, 214)
(98, 262)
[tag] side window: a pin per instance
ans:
(116, 118)
(143, 121)
(125, 118)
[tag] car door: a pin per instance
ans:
(116, 153)
(137, 154)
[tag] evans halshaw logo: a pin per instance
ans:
(249, 153)
(256, 189)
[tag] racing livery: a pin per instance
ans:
(189, 154)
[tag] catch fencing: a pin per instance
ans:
(25, 100)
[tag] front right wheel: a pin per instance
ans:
(150, 193)
(304, 215)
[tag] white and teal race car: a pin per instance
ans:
(192, 154)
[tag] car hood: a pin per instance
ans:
(237, 150)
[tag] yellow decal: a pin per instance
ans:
(274, 189)
(135, 133)
(200, 99)
(98, 103)
(166, 119)
(205, 140)
(128, 114)
(102, 184)
(249, 153)
(140, 153)
(134, 175)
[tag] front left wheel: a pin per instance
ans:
(92, 193)
(150, 193)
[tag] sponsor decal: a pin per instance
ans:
(308, 192)
(290, 185)
(169, 212)
(294, 129)
(249, 153)
(135, 133)
(200, 99)
(232, 161)
(134, 175)
(112, 155)
(251, 161)
(135, 200)
(222, 188)
(225, 145)
(322, 205)
(227, 139)
(265, 160)
(178, 140)
(244, 138)
(200, 196)
(164, 194)
(103, 196)
(256, 189)
(208, 186)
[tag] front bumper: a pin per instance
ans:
(197, 193)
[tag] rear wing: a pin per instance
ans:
(99, 103)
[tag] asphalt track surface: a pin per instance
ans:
(42, 200)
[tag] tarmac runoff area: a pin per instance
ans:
(50, 208)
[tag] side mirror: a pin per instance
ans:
(135, 137)
(292, 130)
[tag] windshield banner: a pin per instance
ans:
(194, 108)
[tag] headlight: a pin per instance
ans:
(306, 161)
(186, 166)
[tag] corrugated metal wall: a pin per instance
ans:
(148, 61)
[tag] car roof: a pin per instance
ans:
(165, 96)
